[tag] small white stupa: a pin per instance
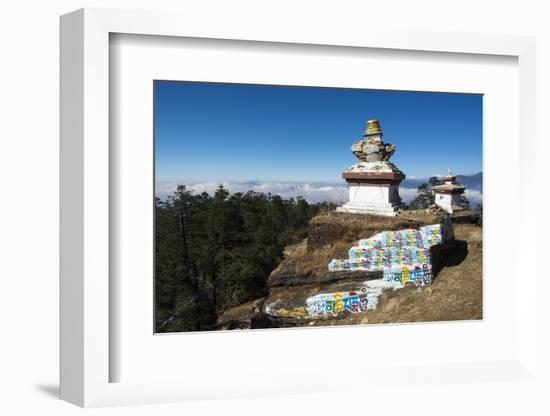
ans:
(373, 181)
(447, 195)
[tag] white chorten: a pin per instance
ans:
(373, 181)
(447, 195)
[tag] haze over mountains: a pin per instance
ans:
(336, 192)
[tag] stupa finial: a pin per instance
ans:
(373, 128)
(371, 148)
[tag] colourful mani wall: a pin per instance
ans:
(403, 256)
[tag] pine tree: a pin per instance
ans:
(215, 252)
(425, 196)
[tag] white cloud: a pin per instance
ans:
(312, 192)
(475, 197)
(407, 194)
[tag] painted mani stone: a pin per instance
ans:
(338, 303)
(403, 256)
(399, 276)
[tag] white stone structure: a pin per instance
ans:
(377, 199)
(373, 181)
(447, 195)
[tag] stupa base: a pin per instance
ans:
(385, 210)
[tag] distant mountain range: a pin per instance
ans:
(473, 182)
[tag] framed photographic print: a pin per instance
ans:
(255, 227)
(239, 207)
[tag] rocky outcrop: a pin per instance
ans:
(372, 150)
(250, 315)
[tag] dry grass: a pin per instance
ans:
(332, 235)
(361, 220)
(456, 293)
(306, 262)
(349, 228)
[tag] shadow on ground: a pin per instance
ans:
(51, 390)
(449, 256)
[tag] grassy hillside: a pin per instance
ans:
(455, 294)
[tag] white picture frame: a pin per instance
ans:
(86, 355)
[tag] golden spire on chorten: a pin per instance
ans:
(373, 128)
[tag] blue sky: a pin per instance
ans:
(230, 132)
